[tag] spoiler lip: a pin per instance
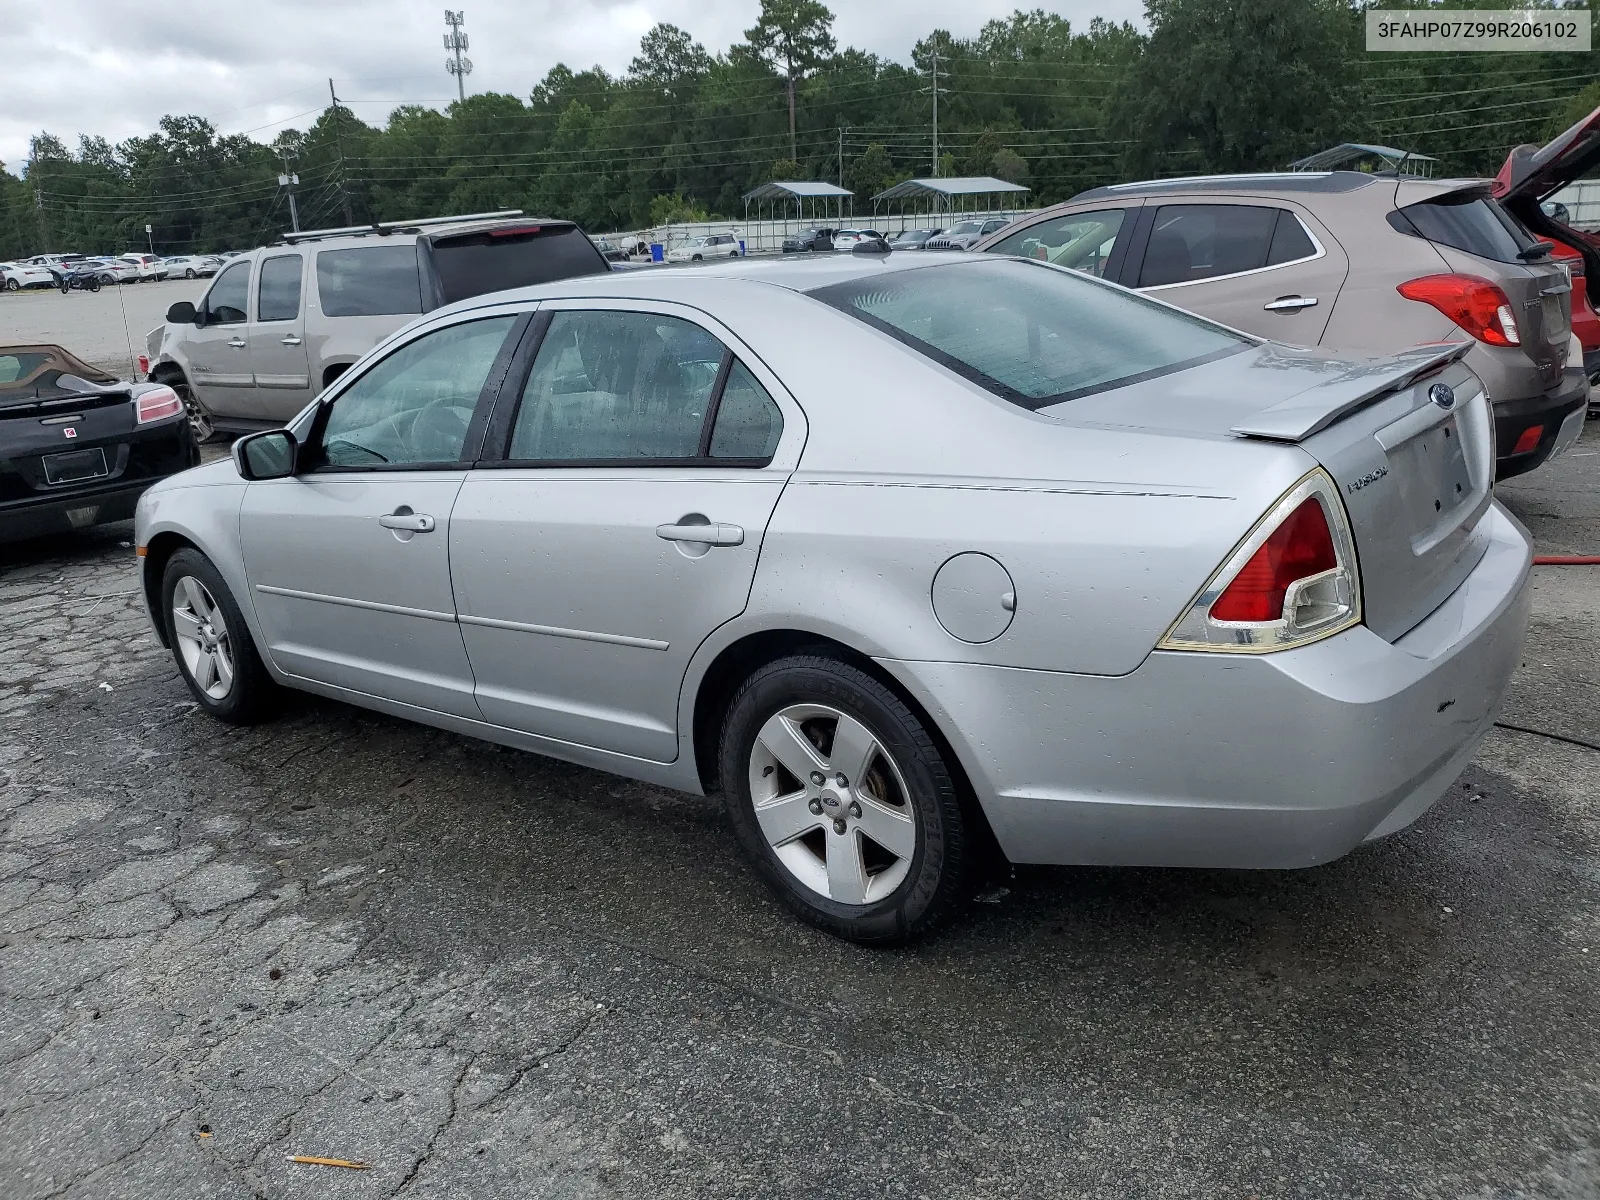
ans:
(1316, 408)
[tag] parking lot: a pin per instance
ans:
(489, 974)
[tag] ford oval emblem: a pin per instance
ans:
(1442, 395)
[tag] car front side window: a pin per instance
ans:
(229, 296)
(414, 406)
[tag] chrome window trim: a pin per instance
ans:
(1293, 262)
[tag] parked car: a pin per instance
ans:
(16, 276)
(279, 324)
(54, 260)
(711, 245)
(78, 446)
(191, 266)
(640, 523)
(117, 270)
(912, 239)
(965, 234)
(849, 239)
(149, 267)
(1531, 174)
(808, 240)
(1347, 261)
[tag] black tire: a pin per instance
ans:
(199, 420)
(189, 274)
(252, 694)
(937, 883)
(65, 287)
(13, 285)
(94, 285)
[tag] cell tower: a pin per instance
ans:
(455, 41)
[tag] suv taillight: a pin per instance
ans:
(157, 404)
(1474, 303)
(1292, 581)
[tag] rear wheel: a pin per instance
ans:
(94, 285)
(189, 274)
(13, 285)
(843, 801)
(211, 642)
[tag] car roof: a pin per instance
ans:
(1324, 182)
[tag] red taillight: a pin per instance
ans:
(1475, 304)
(156, 404)
(144, 364)
(1302, 546)
(1529, 439)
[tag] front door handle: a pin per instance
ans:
(238, 343)
(408, 520)
(709, 534)
(1290, 304)
(291, 340)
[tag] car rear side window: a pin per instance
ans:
(1467, 221)
(1290, 241)
(493, 260)
(369, 281)
(1082, 241)
(1028, 332)
(748, 423)
(278, 293)
(1201, 241)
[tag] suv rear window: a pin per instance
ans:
(1467, 221)
(492, 260)
(369, 281)
(1028, 332)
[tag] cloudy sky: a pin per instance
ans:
(115, 67)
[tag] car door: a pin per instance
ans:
(1267, 268)
(219, 348)
(1094, 240)
(642, 450)
(348, 560)
(277, 337)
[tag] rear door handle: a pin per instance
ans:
(1290, 303)
(291, 340)
(710, 534)
(238, 343)
(415, 522)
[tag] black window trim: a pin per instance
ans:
(834, 296)
(477, 426)
(1321, 251)
(260, 276)
(503, 423)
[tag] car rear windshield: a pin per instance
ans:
(1467, 221)
(471, 264)
(369, 281)
(1029, 332)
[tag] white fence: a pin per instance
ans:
(761, 237)
(1583, 203)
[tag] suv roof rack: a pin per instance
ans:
(381, 227)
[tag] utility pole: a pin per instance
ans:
(935, 89)
(456, 41)
(287, 180)
(338, 141)
(841, 156)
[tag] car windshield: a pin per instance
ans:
(967, 227)
(1028, 332)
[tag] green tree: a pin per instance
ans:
(870, 172)
(795, 35)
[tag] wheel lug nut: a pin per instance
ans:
(841, 780)
(855, 809)
(816, 807)
(838, 826)
(818, 778)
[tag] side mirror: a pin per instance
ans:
(269, 455)
(181, 313)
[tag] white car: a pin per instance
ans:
(110, 270)
(149, 267)
(846, 239)
(711, 245)
(16, 276)
(190, 266)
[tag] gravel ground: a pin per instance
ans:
(107, 328)
(489, 974)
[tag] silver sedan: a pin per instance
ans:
(1024, 560)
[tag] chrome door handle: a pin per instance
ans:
(415, 522)
(291, 340)
(1290, 303)
(710, 534)
(238, 343)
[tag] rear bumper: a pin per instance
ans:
(1546, 413)
(1210, 760)
(20, 520)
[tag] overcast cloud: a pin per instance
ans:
(115, 67)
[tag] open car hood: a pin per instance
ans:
(1537, 171)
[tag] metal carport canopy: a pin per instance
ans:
(930, 189)
(794, 190)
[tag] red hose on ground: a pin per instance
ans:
(1566, 560)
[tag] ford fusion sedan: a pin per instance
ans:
(1028, 560)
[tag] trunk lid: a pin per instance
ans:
(1537, 171)
(1415, 473)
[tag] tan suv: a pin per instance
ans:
(280, 323)
(1349, 261)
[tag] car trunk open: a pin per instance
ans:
(1531, 174)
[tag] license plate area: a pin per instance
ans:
(1436, 479)
(1557, 325)
(75, 466)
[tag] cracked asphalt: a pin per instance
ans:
(491, 975)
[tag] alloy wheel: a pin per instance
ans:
(832, 804)
(202, 636)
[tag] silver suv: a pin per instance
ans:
(280, 323)
(1347, 261)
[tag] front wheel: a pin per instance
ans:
(211, 643)
(843, 801)
(13, 285)
(189, 274)
(65, 287)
